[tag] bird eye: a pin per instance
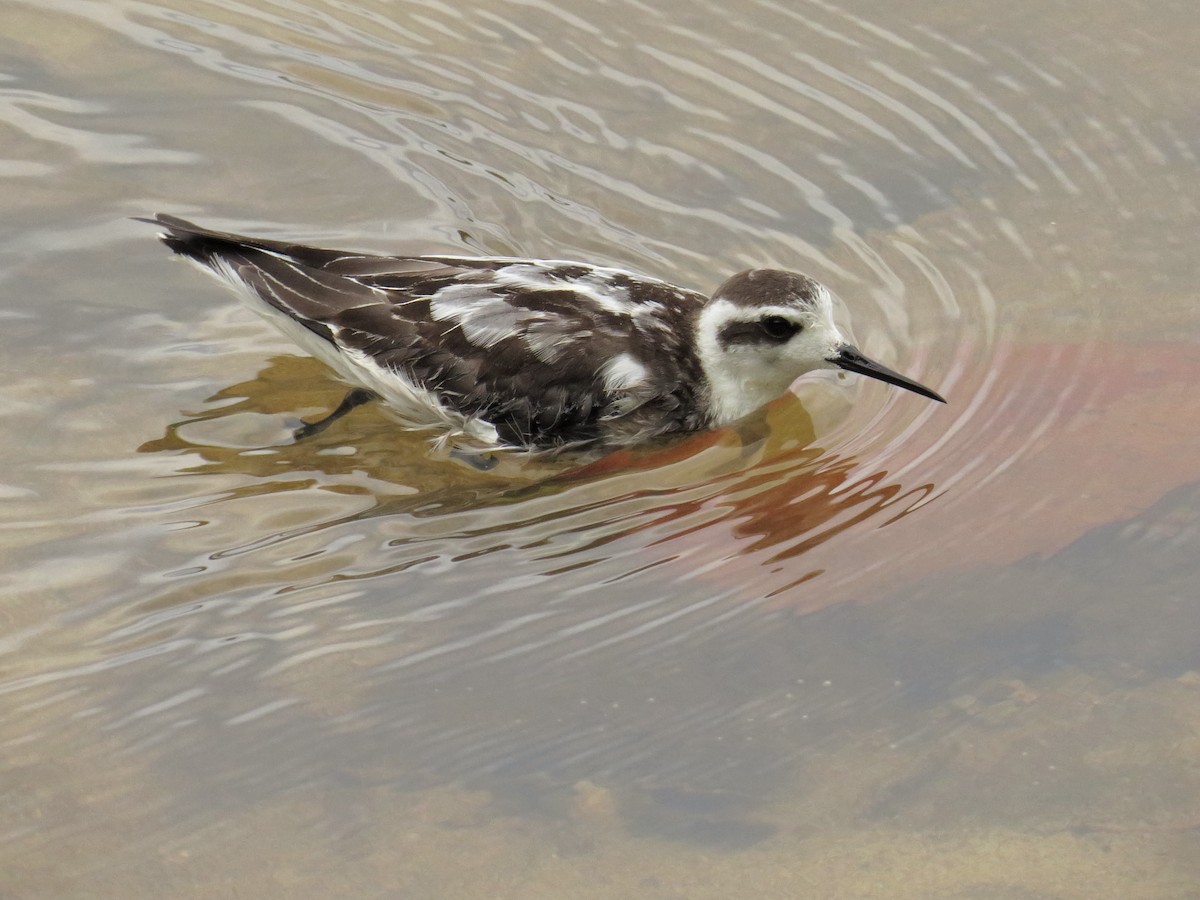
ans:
(778, 327)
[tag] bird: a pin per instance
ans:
(506, 353)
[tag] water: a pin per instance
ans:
(860, 646)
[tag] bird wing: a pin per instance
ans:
(547, 351)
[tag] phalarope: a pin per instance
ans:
(537, 354)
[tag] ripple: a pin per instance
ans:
(945, 182)
(888, 135)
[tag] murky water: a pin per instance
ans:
(860, 646)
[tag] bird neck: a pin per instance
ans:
(732, 395)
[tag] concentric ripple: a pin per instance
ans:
(947, 184)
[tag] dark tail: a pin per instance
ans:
(202, 244)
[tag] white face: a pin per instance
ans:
(752, 354)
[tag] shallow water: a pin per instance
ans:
(862, 645)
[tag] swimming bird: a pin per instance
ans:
(496, 352)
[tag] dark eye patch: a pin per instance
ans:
(767, 330)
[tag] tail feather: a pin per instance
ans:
(285, 283)
(205, 244)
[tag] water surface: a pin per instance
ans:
(860, 645)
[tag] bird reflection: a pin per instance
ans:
(764, 484)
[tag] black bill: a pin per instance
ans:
(851, 359)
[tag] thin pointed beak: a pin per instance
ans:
(850, 358)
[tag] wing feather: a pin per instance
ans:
(526, 345)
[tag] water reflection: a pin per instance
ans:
(765, 490)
